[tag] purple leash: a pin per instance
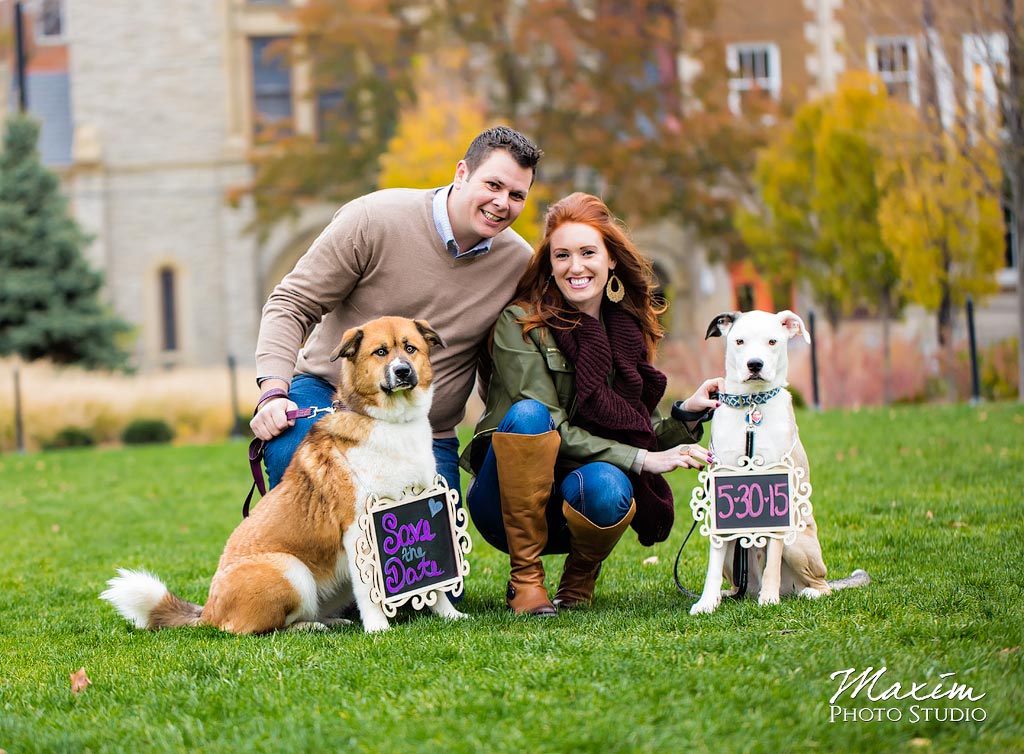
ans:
(257, 446)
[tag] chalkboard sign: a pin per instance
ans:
(412, 547)
(752, 502)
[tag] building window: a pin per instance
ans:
(744, 297)
(330, 107)
(49, 25)
(271, 88)
(754, 73)
(168, 310)
(986, 60)
(894, 60)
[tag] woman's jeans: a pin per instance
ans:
(600, 491)
(307, 390)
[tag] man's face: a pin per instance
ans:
(485, 202)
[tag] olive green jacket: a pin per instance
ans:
(534, 368)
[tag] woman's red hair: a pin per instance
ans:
(544, 304)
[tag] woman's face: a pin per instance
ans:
(580, 265)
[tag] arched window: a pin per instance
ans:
(168, 309)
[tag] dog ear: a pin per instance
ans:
(793, 324)
(349, 345)
(721, 324)
(429, 334)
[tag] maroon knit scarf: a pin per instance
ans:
(621, 411)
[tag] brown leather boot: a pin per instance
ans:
(526, 472)
(590, 544)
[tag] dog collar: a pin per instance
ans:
(754, 416)
(748, 400)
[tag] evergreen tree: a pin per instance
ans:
(50, 305)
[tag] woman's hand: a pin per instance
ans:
(681, 456)
(701, 399)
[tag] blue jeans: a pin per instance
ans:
(307, 390)
(600, 491)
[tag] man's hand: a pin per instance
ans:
(270, 420)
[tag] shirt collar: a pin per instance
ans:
(444, 227)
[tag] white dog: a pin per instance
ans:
(756, 366)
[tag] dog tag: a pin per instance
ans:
(754, 417)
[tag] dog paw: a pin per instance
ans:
(308, 626)
(767, 599)
(375, 626)
(335, 622)
(456, 615)
(705, 606)
(810, 593)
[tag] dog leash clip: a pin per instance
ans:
(305, 413)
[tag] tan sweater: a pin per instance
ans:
(381, 255)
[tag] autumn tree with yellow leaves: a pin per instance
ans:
(942, 221)
(857, 202)
(816, 221)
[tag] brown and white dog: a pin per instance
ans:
(756, 363)
(292, 563)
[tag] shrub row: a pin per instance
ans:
(138, 432)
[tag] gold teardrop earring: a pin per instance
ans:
(615, 290)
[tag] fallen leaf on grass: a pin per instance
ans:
(79, 681)
(929, 515)
(1009, 651)
(55, 528)
(653, 560)
(958, 524)
(919, 742)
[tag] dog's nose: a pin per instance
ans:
(755, 365)
(402, 371)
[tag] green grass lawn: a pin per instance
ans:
(928, 500)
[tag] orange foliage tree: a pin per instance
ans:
(597, 85)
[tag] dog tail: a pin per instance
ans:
(857, 578)
(143, 600)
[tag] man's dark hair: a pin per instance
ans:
(523, 151)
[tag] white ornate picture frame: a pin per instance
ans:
(748, 488)
(426, 534)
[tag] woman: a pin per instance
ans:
(571, 447)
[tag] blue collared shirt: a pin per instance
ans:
(444, 227)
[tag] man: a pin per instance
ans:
(444, 255)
